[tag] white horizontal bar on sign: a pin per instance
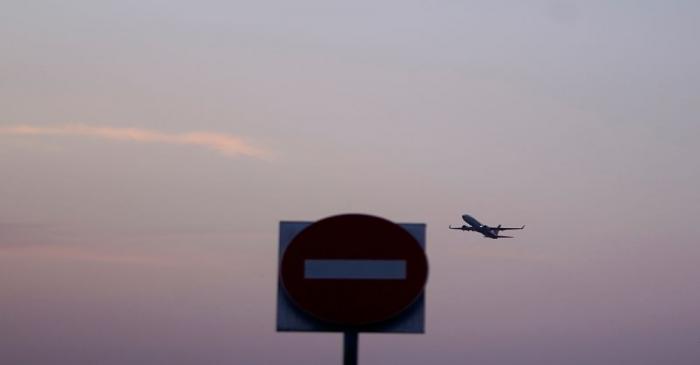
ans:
(355, 269)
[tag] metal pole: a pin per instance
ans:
(350, 347)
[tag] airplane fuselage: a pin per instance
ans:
(481, 228)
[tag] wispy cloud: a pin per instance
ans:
(226, 144)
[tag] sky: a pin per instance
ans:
(149, 150)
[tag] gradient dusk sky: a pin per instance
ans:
(149, 149)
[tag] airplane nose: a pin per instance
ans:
(469, 219)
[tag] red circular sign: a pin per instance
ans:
(354, 269)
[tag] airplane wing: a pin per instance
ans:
(504, 237)
(499, 228)
(463, 228)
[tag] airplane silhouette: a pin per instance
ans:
(490, 232)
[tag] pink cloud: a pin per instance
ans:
(226, 144)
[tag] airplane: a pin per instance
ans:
(489, 232)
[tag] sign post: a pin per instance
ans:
(352, 273)
(350, 342)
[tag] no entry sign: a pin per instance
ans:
(353, 270)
